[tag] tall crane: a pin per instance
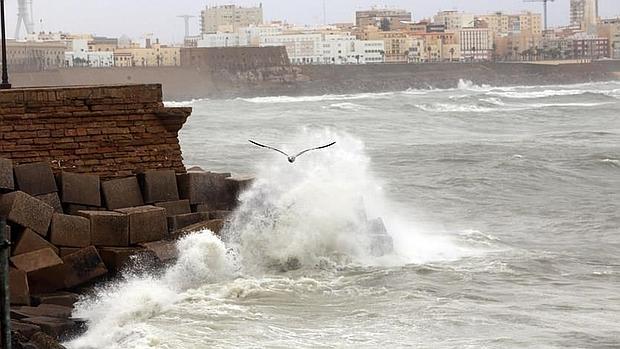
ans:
(545, 8)
(24, 16)
(186, 18)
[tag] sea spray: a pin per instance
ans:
(312, 215)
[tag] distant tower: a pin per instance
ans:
(24, 15)
(186, 18)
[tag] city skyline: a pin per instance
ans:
(141, 16)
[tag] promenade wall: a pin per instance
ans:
(111, 131)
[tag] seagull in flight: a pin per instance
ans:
(291, 159)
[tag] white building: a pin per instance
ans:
(476, 44)
(223, 40)
(348, 50)
(80, 56)
(454, 20)
(302, 48)
(229, 18)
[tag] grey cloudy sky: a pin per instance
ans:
(136, 17)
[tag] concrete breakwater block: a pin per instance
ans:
(25, 210)
(181, 221)
(239, 184)
(36, 260)
(73, 209)
(70, 231)
(159, 185)
(174, 208)
(53, 200)
(164, 251)
(54, 327)
(108, 228)
(117, 258)
(18, 287)
(29, 241)
(146, 223)
(82, 267)
(122, 193)
(7, 182)
(80, 189)
(48, 310)
(35, 179)
(67, 299)
(203, 188)
(215, 226)
(65, 251)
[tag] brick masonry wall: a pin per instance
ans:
(113, 131)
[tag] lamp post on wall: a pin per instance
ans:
(5, 85)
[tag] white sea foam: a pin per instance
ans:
(321, 98)
(346, 106)
(188, 103)
(116, 315)
(461, 108)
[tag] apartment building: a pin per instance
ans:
(229, 18)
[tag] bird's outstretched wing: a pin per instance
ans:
(317, 148)
(268, 147)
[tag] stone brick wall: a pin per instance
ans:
(112, 131)
(234, 59)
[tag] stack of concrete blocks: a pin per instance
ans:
(71, 230)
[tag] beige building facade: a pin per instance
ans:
(229, 18)
(155, 56)
(35, 56)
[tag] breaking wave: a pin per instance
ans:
(311, 215)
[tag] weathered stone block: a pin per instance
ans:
(23, 209)
(201, 208)
(82, 267)
(122, 193)
(18, 286)
(146, 223)
(117, 258)
(174, 208)
(53, 200)
(37, 260)
(27, 330)
(66, 299)
(80, 189)
(48, 310)
(35, 179)
(54, 327)
(165, 251)
(239, 184)
(65, 251)
(29, 241)
(159, 185)
(73, 209)
(215, 226)
(223, 215)
(108, 228)
(70, 231)
(181, 221)
(203, 187)
(7, 182)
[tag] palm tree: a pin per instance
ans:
(473, 56)
(452, 54)
(429, 49)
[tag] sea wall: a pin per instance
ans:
(184, 83)
(111, 131)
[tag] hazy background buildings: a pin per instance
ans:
(370, 35)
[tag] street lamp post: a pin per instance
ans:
(5, 73)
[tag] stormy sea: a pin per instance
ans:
(503, 204)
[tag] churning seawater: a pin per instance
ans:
(504, 206)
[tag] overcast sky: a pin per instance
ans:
(137, 17)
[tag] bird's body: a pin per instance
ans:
(291, 158)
